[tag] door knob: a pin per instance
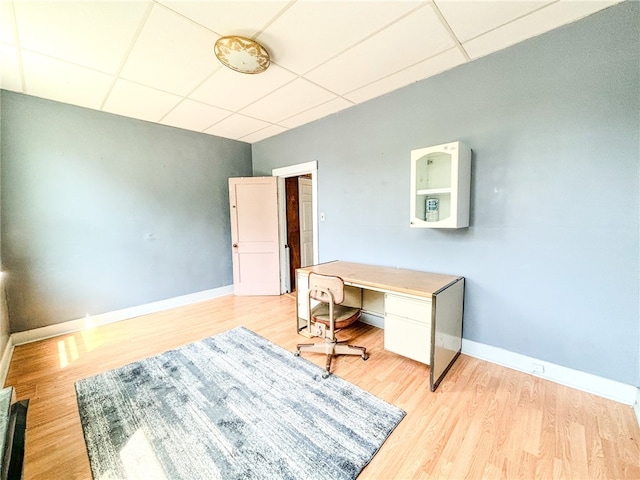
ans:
(235, 245)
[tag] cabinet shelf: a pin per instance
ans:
(440, 186)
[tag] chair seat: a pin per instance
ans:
(329, 290)
(344, 316)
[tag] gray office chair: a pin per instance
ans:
(328, 317)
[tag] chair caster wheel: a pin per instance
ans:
(365, 357)
(325, 375)
(296, 353)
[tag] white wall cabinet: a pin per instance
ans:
(440, 186)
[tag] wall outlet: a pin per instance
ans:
(537, 368)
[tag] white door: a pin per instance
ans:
(305, 207)
(254, 235)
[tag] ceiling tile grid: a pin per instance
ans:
(134, 100)
(171, 53)
(233, 91)
(312, 32)
(319, 111)
(537, 22)
(94, 35)
(439, 63)
(194, 115)
(237, 126)
(291, 99)
(10, 78)
(153, 59)
(65, 82)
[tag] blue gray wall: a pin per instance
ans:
(101, 212)
(551, 257)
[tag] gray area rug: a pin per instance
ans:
(233, 406)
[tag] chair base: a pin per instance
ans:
(331, 348)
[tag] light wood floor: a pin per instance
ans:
(484, 421)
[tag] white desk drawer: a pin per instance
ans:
(408, 338)
(415, 309)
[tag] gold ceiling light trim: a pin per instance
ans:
(242, 54)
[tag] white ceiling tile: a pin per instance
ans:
(9, 69)
(236, 126)
(326, 55)
(96, 34)
(471, 18)
(440, 63)
(7, 30)
(233, 91)
(229, 18)
(171, 54)
(64, 82)
(293, 98)
(321, 111)
(195, 116)
(138, 101)
(541, 21)
(414, 38)
(270, 131)
(311, 32)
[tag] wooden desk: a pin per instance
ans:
(422, 311)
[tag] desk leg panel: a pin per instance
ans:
(446, 331)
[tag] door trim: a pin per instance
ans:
(308, 168)
(304, 260)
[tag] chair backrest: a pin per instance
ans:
(320, 284)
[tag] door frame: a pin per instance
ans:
(308, 168)
(304, 261)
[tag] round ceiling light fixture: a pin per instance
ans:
(242, 54)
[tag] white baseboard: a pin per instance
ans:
(20, 338)
(603, 387)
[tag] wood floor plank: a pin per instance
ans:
(484, 421)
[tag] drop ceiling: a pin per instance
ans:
(153, 60)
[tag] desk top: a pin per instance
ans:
(411, 282)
